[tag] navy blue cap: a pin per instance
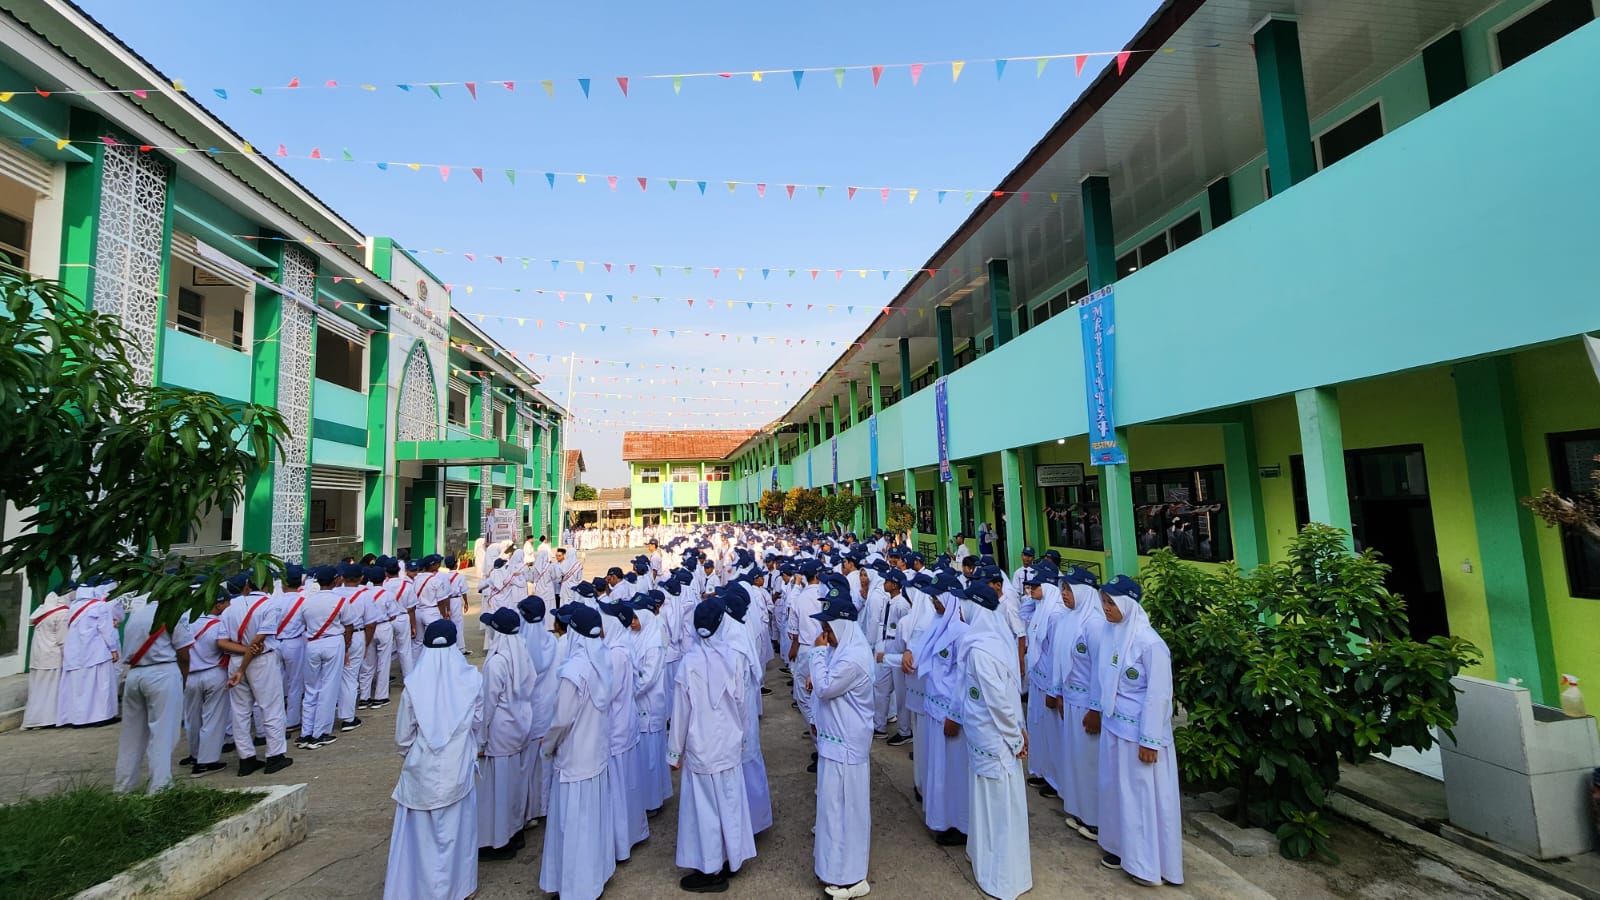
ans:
(532, 608)
(991, 573)
(1044, 573)
(983, 595)
(1053, 555)
(1028, 551)
(946, 583)
(449, 561)
(1080, 575)
(374, 575)
(672, 586)
(622, 612)
(583, 619)
(413, 565)
(583, 589)
(837, 606)
(809, 567)
(351, 573)
(708, 617)
(504, 620)
(237, 583)
(324, 575)
(440, 633)
(1123, 586)
(895, 576)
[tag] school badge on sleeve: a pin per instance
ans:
(973, 692)
(1133, 674)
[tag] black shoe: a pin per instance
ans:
(505, 852)
(378, 704)
(364, 704)
(813, 756)
(326, 739)
(879, 734)
(1036, 781)
(259, 742)
(1111, 861)
(899, 740)
(950, 837)
(766, 691)
(918, 794)
(1049, 793)
(351, 725)
(518, 841)
(812, 768)
(187, 761)
(250, 766)
(652, 813)
(701, 883)
(201, 770)
(276, 764)
(727, 871)
(228, 748)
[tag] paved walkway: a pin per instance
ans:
(350, 814)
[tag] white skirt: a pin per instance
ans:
(1042, 738)
(1078, 768)
(502, 799)
(629, 825)
(998, 842)
(947, 777)
(433, 853)
(758, 793)
(578, 860)
(844, 821)
(1140, 815)
(654, 773)
(714, 824)
(87, 696)
(43, 692)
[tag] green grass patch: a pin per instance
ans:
(56, 846)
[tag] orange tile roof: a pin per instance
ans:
(574, 465)
(667, 445)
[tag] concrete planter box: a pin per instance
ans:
(203, 862)
(1518, 773)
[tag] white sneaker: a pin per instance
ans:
(859, 889)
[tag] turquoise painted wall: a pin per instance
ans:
(197, 364)
(334, 403)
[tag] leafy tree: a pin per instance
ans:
(113, 472)
(803, 506)
(772, 503)
(840, 507)
(901, 518)
(1286, 671)
(1581, 512)
(582, 491)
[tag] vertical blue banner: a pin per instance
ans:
(834, 449)
(1097, 314)
(872, 448)
(666, 494)
(774, 477)
(941, 416)
(705, 495)
(810, 479)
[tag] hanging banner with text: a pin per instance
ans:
(834, 448)
(666, 493)
(1098, 317)
(941, 416)
(705, 495)
(872, 448)
(774, 477)
(811, 481)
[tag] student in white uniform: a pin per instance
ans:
(630, 822)
(405, 627)
(1074, 642)
(545, 652)
(205, 694)
(152, 698)
(754, 763)
(372, 689)
(88, 695)
(363, 586)
(998, 745)
(508, 680)
(654, 698)
(1044, 596)
(715, 836)
(292, 644)
(840, 680)
(255, 680)
(327, 618)
(49, 624)
(1141, 828)
(946, 797)
(579, 843)
(456, 589)
(439, 727)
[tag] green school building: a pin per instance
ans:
(1351, 255)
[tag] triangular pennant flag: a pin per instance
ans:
(911, 195)
(672, 184)
(511, 175)
(955, 70)
(941, 196)
(282, 150)
(584, 83)
(221, 94)
(1122, 61)
(1043, 61)
(509, 85)
(403, 87)
(612, 180)
(741, 273)
(715, 271)
(790, 189)
(293, 83)
(761, 190)
(657, 268)
(435, 89)
(549, 88)
(731, 185)
(969, 197)
(798, 74)
(581, 264)
(622, 82)
(478, 172)
(383, 167)
(838, 75)
(851, 192)
(838, 275)
(916, 73)
(641, 183)
(820, 189)
(582, 178)
(555, 265)
(1025, 195)
(791, 273)
(756, 76)
(1054, 196)
(550, 177)
(765, 273)
(883, 194)
(1078, 62)
(346, 153)
(608, 269)
(677, 84)
(877, 72)
(316, 153)
(813, 278)
(702, 186)
(472, 89)
(999, 69)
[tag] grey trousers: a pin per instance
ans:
(152, 704)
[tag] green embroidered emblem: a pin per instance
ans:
(1082, 647)
(972, 692)
(1133, 674)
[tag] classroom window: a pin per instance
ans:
(685, 474)
(719, 473)
(988, 344)
(648, 517)
(13, 241)
(925, 519)
(923, 380)
(1185, 232)
(649, 474)
(719, 514)
(966, 355)
(1575, 463)
(1184, 510)
(457, 406)
(191, 313)
(1349, 136)
(1072, 515)
(455, 515)
(1540, 28)
(340, 361)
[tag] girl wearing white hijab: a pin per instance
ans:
(654, 696)
(737, 635)
(629, 821)
(937, 657)
(841, 682)
(1140, 827)
(998, 840)
(715, 836)
(1045, 597)
(1075, 644)
(579, 855)
(545, 654)
(508, 681)
(913, 628)
(439, 727)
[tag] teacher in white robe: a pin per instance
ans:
(840, 683)
(439, 727)
(579, 854)
(49, 624)
(997, 745)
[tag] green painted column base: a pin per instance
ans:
(1011, 479)
(1117, 527)
(1322, 443)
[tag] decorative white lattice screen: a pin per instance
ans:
(128, 251)
(419, 400)
(296, 345)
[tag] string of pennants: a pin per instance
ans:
(625, 363)
(588, 297)
(674, 398)
(663, 381)
(677, 80)
(481, 174)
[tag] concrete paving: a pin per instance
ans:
(350, 814)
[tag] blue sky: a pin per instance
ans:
(935, 135)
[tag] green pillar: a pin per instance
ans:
(1032, 503)
(880, 497)
(911, 501)
(905, 368)
(1283, 103)
(1246, 515)
(836, 414)
(1000, 302)
(557, 445)
(1011, 479)
(264, 359)
(855, 404)
(377, 536)
(1117, 528)
(944, 325)
(480, 405)
(1519, 617)
(1322, 442)
(81, 207)
(952, 502)
(425, 512)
